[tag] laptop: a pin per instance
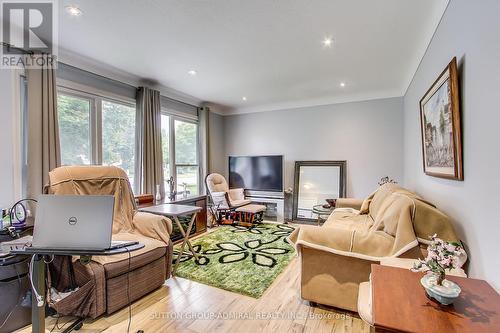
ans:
(75, 222)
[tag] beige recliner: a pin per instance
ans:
(226, 199)
(114, 279)
(336, 257)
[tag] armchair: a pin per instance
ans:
(147, 269)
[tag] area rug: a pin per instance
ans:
(238, 259)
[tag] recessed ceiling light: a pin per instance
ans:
(342, 84)
(192, 72)
(327, 42)
(244, 98)
(73, 10)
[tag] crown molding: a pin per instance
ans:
(315, 102)
(114, 73)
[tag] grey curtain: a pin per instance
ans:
(149, 171)
(44, 152)
(204, 121)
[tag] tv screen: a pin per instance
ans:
(262, 173)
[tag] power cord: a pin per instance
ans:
(39, 298)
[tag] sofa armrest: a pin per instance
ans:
(153, 226)
(236, 194)
(349, 203)
(220, 199)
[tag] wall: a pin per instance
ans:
(469, 31)
(216, 143)
(366, 134)
(6, 166)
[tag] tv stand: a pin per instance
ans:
(274, 202)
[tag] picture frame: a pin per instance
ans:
(440, 124)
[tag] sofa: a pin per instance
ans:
(335, 258)
(107, 283)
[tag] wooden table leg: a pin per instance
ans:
(186, 235)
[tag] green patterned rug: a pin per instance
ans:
(238, 259)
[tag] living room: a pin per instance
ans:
(249, 166)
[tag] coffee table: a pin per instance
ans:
(322, 212)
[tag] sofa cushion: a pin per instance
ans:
(118, 264)
(345, 218)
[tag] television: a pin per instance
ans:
(259, 173)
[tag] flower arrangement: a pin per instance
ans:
(441, 256)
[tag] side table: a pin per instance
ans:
(322, 212)
(400, 304)
(174, 211)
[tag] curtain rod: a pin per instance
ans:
(17, 48)
(124, 83)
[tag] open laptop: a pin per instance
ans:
(75, 222)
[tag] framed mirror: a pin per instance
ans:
(316, 181)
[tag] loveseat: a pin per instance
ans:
(336, 257)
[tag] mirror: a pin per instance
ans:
(316, 181)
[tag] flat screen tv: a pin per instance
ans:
(260, 173)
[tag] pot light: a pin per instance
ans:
(73, 10)
(244, 98)
(327, 42)
(192, 72)
(342, 84)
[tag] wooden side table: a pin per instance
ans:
(400, 304)
(174, 211)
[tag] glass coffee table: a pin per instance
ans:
(322, 212)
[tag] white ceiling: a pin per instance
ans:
(267, 50)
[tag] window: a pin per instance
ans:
(74, 129)
(180, 152)
(118, 137)
(96, 130)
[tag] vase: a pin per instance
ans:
(445, 293)
(158, 194)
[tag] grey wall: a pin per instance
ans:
(470, 31)
(6, 166)
(216, 147)
(367, 134)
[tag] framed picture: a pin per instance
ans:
(441, 126)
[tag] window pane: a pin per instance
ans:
(118, 137)
(188, 175)
(74, 129)
(185, 143)
(165, 133)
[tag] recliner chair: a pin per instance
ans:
(110, 282)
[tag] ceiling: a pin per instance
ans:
(269, 51)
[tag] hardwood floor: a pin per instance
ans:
(186, 306)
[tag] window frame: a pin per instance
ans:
(96, 100)
(172, 117)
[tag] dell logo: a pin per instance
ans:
(72, 220)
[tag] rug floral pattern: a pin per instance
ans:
(238, 259)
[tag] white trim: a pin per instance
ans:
(17, 132)
(311, 102)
